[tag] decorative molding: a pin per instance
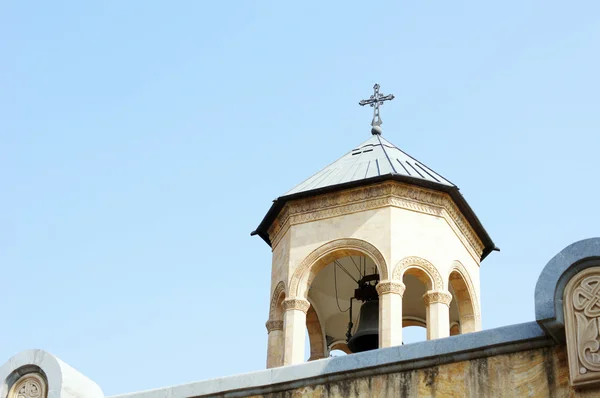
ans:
(279, 290)
(421, 263)
(386, 287)
(374, 196)
(296, 304)
(437, 296)
(345, 246)
(31, 385)
(582, 321)
(274, 325)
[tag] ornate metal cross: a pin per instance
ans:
(375, 101)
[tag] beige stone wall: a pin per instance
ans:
(540, 372)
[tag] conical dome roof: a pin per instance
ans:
(375, 160)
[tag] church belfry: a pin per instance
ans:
(374, 242)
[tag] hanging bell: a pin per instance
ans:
(367, 334)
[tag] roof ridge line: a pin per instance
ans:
(386, 154)
(418, 161)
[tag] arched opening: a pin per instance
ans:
(316, 338)
(275, 328)
(462, 309)
(413, 330)
(330, 293)
(414, 313)
(414, 334)
(327, 279)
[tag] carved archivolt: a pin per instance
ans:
(328, 252)
(375, 196)
(582, 321)
(275, 299)
(458, 267)
(421, 263)
(31, 385)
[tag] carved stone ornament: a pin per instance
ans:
(386, 287)
(582, 322)
(296, 304)
(274, 325)
(375, 196)
(437, 296)
(31, 385)
(279, 290)
(345, 246)
(421, 263)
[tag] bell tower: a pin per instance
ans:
(372, 243)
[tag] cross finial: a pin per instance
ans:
(375, 101)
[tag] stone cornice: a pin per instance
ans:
(394, 194)
(296, 304)
(387, 287)
(437, 296)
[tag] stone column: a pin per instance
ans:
(437, 308)
(390, 312)
(275, 344)
(294, 329)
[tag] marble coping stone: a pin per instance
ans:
(468, 346)
(554, 277)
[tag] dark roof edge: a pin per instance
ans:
(453, 191)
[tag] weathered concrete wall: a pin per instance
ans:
(541, 372)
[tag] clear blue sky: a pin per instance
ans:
(141, 142)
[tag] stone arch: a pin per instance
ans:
(316, 338)
(276, 308)
(327, 253)
(432, 278)
(466, 298)
(414, 321)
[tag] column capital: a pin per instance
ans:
(274, 325)
(296, 304)
(386, 287)
(437, 296)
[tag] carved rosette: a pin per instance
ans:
(437, 296)
(274, 325)
(387, 287)
(582, 322)
(30, 385)
(296, 304)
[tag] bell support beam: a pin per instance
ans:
(294, 329)
(390, 312)
(437, 308)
